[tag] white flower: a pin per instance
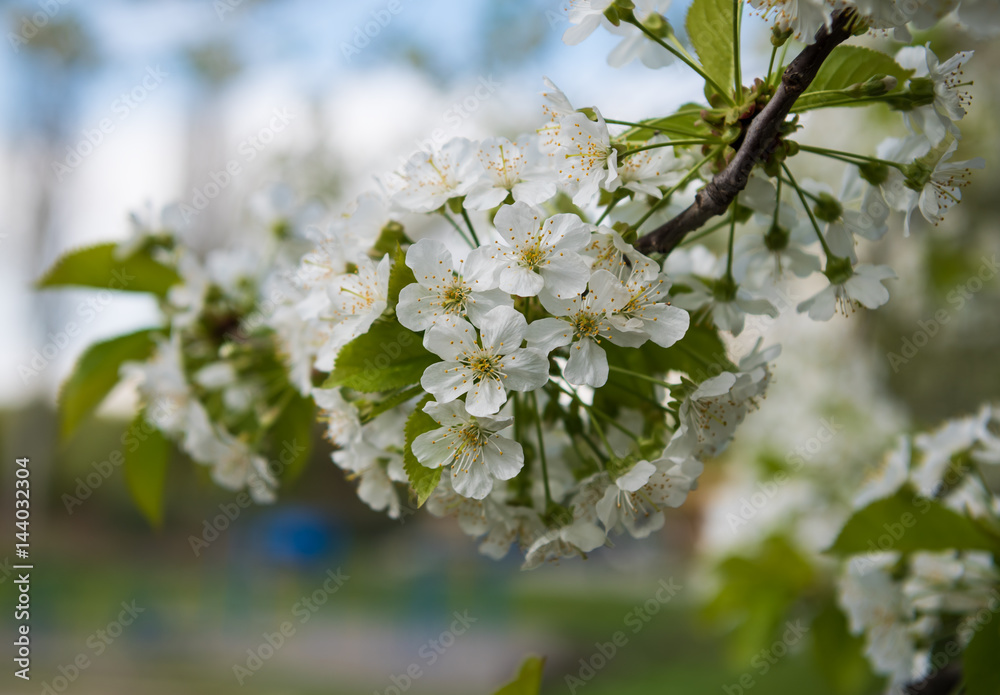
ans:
(585, 16)
(477, 454)
(485, 372)
(635, 44)
(536, 252)
(377, 468)
(803, 17)
(875, 605)
(937, 119)
(343, 426)
(863, 286)
(428, 181)
(636, 497)
(648, 170)
(583, 322)
(578, 538)
(708, 418)
(583, 157)
(774, 254)
(440, 290)
(888, 478)
(953, 438)
(663, 323)
(163, 385)
(558, 104)
(508, 170)
(234, 465)
(610, 252)
(728, 303)
(356, 300)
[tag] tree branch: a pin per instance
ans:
(760, 140)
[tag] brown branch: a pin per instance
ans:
(760, 140)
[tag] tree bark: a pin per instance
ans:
(759, 141)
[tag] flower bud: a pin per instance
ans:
(779, 36)
(874, 173)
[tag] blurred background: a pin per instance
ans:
(120, 106)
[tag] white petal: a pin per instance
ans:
(587, 364)
(504, 457)
(566, 275)
(502, 329)
(526, 370)
(446, 380)
(521, 281)
(485, 397)
(431, 262)
(636, 477)
(434, 449)
(548, 334)
(450, 339)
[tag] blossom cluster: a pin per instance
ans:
(906, 603)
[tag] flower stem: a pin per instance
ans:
(672, 143)
(468, 222)
(737, 70)
(677, 186)
(639, 375)
(459, 230)
(805, 204)
(607, 210)
(649, 126)
(848, 156)
(732, 234)
(541, 450)
(686, 60)
(770, 64)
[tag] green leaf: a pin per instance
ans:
(710, 29)
(96, 266)
(386, 358)
(681, 123)
(982, 677)
(837, 653)
(291, 436)
(389, 239)
(847, 66)
(529, 678)
(369, 410)
(907, 522)
(400, 275)
(146, 469)
(423, 480)
(757, 593)
(96, 373)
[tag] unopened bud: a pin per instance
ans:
(874, 173)
(779, 36)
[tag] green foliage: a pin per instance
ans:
(758, 592)
(683, 123)
(146, 470)
(907, 522)
(423, 480)
(710, 29)
(291, 435)
(96, 373)
(848, 66)
(369, 410)
(529, 678)
(96, 266)
(389, 239)
(400, 276)
(386, 358)
(982, 677)
(837, 653)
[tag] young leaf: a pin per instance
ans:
(710, 28)
(146, 470)
(680, 124)
(982, 677)
(96, 266)
(386, 358)
(96, 373)
(291, 436)
(847, 66)
(837, 653)
(907, 522)
(423, 480)
(400, 276)
(529, 679)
